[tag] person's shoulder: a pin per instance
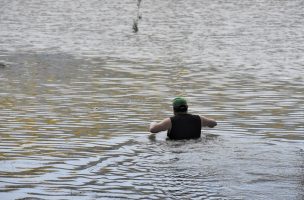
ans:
(198, 117)
(195, 115)
(167, 119)
(171, 118)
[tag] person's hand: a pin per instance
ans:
(212, 124)
(152, 124)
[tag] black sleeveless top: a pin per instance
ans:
(185, 126)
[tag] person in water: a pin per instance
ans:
(182, 125)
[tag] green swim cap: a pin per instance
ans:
(179, 101)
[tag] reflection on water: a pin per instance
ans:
(78, 89)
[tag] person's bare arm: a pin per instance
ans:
(161, 126)
(208, 122)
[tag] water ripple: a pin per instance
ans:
(79, 90)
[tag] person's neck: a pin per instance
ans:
(180, 113)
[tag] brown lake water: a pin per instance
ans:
(78, 90)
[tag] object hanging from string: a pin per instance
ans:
(138, 17)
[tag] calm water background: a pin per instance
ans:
(79, 90)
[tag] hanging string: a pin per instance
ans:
(138, 17)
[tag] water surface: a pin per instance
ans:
(79, 89)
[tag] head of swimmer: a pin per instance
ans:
(180, 105)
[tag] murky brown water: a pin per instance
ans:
(79, 90)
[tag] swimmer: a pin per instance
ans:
(182, 125)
